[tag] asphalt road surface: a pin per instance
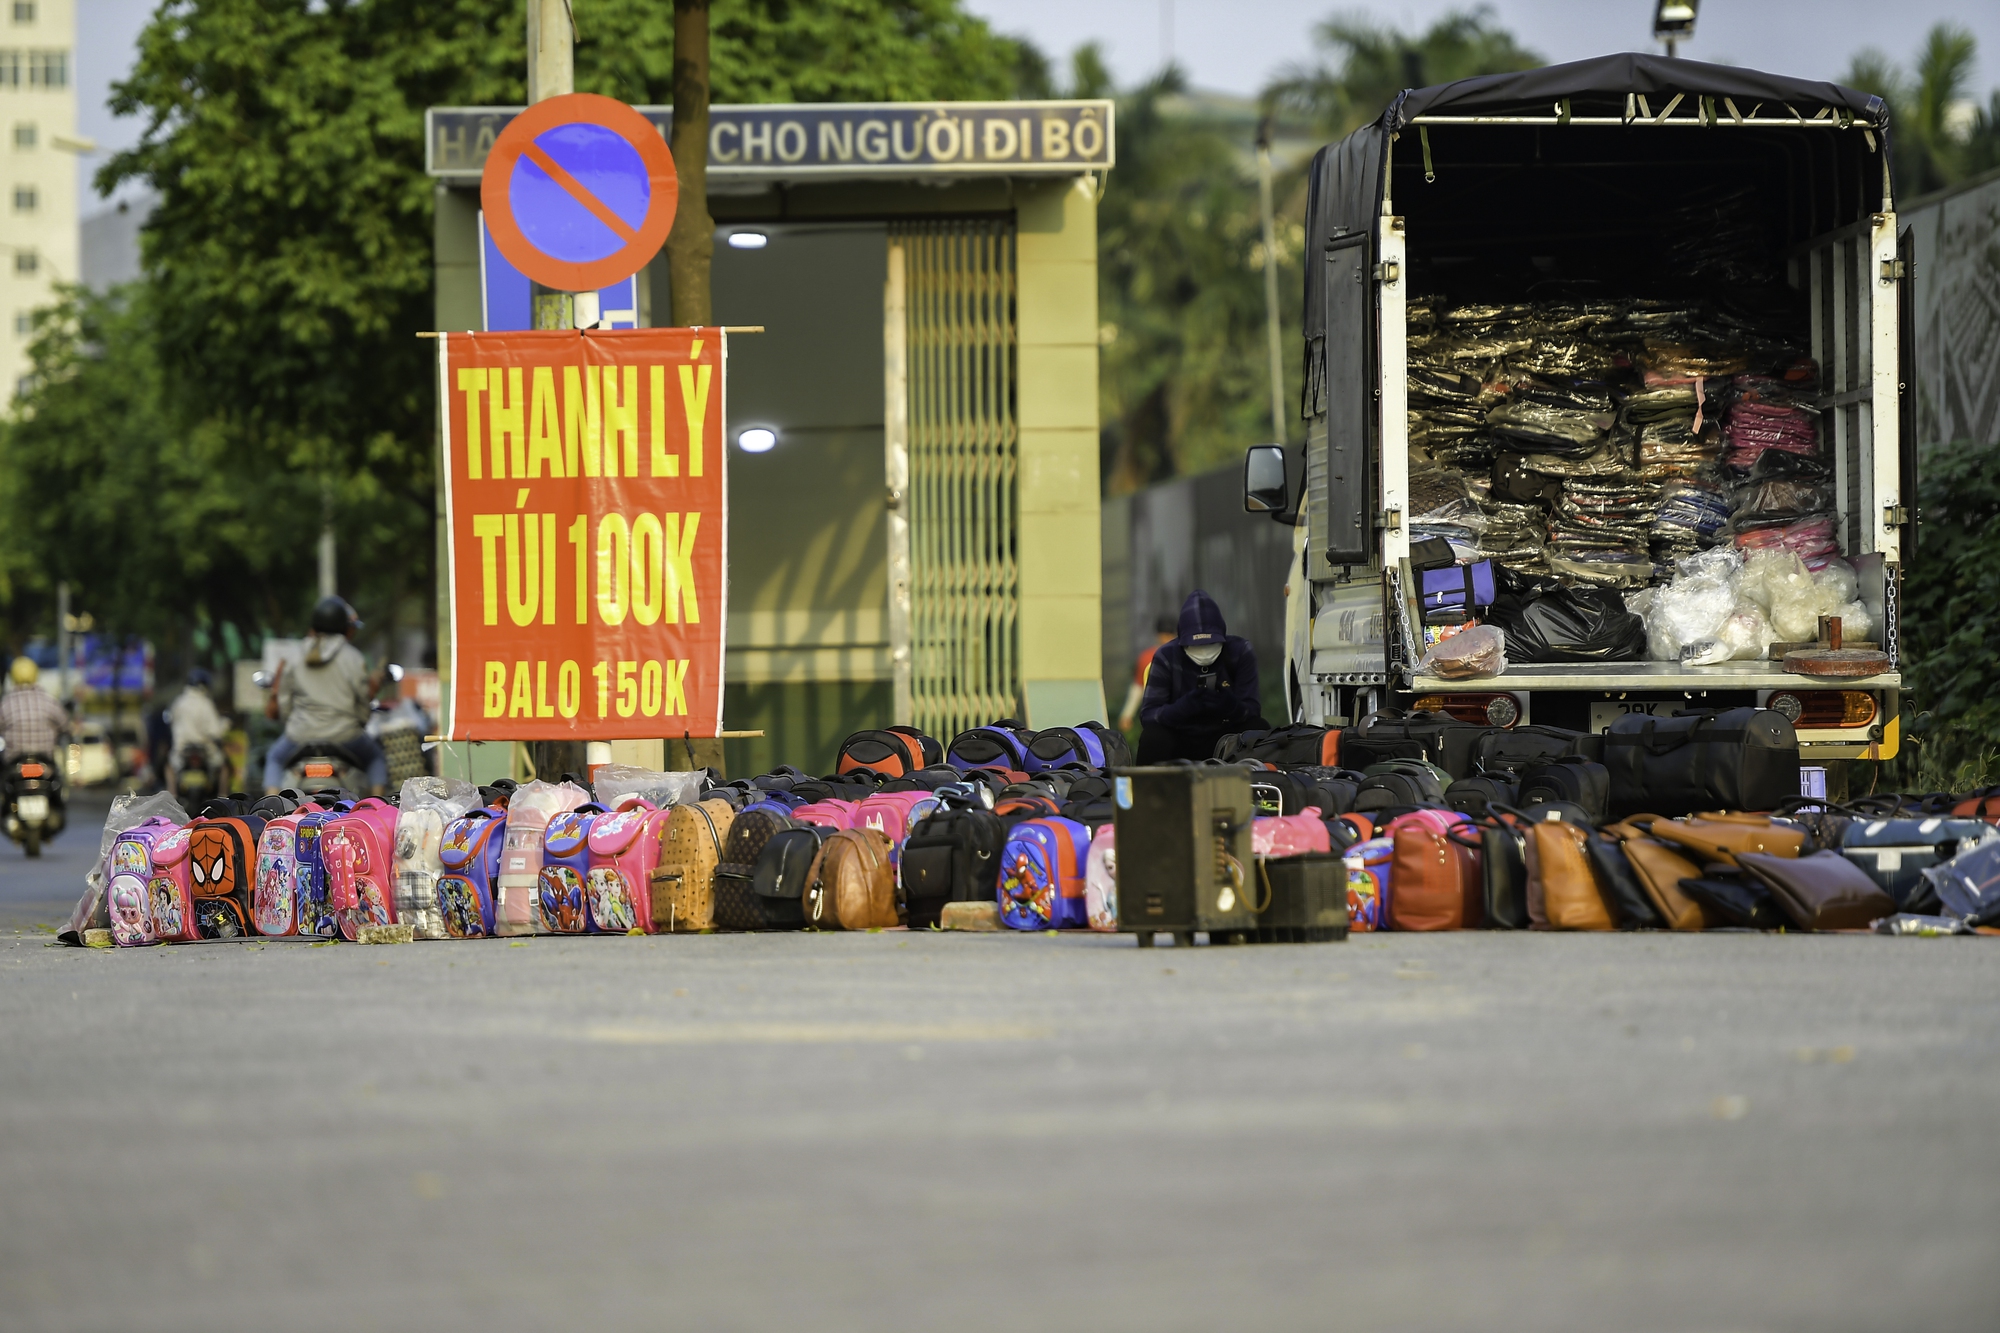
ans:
(966, 1132)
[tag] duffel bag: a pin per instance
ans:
(1394, 735)
(1510, 751)
(1471, 796)
(1396, 783)
(1737, 759)
(1299, 743)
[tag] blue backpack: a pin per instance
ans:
(560, 888)
(470, 854)
(1042, 875)
(1002, 744)
(1085, 745)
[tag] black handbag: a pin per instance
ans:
(1503, 869)
(1577, 781)
(1630, 905)
(1737, 759)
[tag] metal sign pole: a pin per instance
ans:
(552, 73)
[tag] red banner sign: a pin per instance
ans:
(586, 524)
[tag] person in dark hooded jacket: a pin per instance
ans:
(1202, 687)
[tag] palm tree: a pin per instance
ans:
(1364, 64)
(1936, 144)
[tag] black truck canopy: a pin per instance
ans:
(1345, 187)
(1576, 179)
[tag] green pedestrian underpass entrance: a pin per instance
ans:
(913, 440)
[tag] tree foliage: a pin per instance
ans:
(1364, 64)
(288, 268)
(1939, 136)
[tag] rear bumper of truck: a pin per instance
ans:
(1620, 680)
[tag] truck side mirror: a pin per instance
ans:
(1265, 490)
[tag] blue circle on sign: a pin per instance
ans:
(592, 165)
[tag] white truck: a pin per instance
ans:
(1559, 179)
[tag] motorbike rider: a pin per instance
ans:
(325, 701)
(31, 721)
(197, 724)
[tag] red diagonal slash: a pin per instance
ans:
(577, 192)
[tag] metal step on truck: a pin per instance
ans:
(1606, 233)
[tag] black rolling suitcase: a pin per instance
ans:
(1303, 899)
(1184, 856)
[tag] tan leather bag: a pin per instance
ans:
(1721, 839)
(684, 880)
(1562, 892)
(852, 885)
(1661, 869)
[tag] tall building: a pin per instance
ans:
(38, 214)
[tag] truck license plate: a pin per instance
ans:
(1602, 715)
(33, 809)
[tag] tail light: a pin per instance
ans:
(32, 770)
(318, 768)
(1485, 710)
(1824, 708)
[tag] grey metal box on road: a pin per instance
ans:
(1183, 852)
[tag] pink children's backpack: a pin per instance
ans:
(1100, 879)
(359, 849)
(895, 813)
(624, 848)
(830, 813)
(171, 891)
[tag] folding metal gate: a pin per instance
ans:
(953, 449)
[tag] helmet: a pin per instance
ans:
(198, 678)
(24, 671)
(334, 616)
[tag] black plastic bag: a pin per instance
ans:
(1572, 625)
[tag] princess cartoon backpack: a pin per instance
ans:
(168, 892)
(359, 849)
(1042, 869)
(273, 898)
(128, 891)
(563, 880)
(471, 856)
(624, 849)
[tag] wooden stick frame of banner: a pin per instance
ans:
(726, 328)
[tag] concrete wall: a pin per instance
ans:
(1956, 288)
(1167, 540)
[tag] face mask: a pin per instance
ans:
(1204, 654)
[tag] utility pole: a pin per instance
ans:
(691, 243)
(1278, 432)
(552, 73)
(329, 551)
(62, 641)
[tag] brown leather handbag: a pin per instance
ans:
(1824, 891)
(1661, 869)
(1434, 882)
(852, 885)
(1711, 839)
(1562, 891)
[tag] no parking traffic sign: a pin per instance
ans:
(579, 192)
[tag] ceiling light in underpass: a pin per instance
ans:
(748, 240)
(757, 440)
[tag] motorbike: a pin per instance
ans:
(197, 777)
(326, 765)
(33, 800)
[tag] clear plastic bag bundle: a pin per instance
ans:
(615, 782)
(1810, 539)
